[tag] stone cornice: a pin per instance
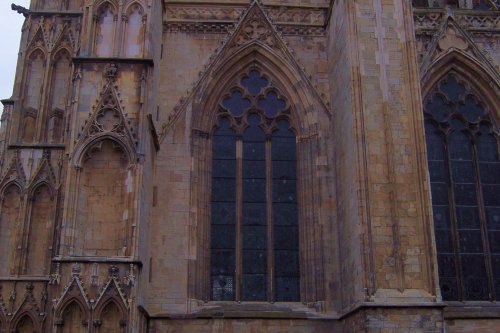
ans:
(473, 21)
(209, 17)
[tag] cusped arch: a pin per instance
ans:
(478, 77)
(68, 302)
(34, 53)
(60, 53)
(81, 151)
(288, 79)
(100, 5)
(133, 4)
(21, 316)
(15, 183)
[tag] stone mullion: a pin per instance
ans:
(206, 213)
(239, 217)
(270, 232)
(43, 101)
(482, 222)
(453, 224)
(20, 241)
(118, 34)
(23, 260)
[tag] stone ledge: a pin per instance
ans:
(469, 310)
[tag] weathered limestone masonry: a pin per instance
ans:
(107, 158)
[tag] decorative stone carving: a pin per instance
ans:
(451, 39)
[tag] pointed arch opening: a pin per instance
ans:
(105, 29)
(34, 79)
(61, 72)
(134, 31)
(40, 230)
(73, 319)
(462, 136)
(9, 223)
(112, 316)
(255, 135)
(103, 209)
(25, 325)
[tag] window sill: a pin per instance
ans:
(468, 310)
(278, 310)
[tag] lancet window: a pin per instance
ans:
(254, 219)
(464, 167)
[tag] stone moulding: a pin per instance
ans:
(472, 21)
(219, 18)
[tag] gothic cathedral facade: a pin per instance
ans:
(266, 166)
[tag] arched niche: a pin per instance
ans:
(25, 325)
(60, 83)
(103, 208)
(134, 31)
(41, 225)
(73, 319)
(104, 29)
(111, 318)
(9, 217)
(33, 89)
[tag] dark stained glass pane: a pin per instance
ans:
(491, 195)
(223, 236)
(254, 213)
(286, 237)
(467, 217)
(494, 241)
(449, 288)
(444, 242)
(236, 104)
(287, 289)
(470, 241)
(223, 287)
(254, 169)
(465, 194)
(224, 147)
(447, 266)
(441, 217)
(487, 149)
(223, 217)
(496, 266)
(460, 147)
(284, 191)
(438, 108)
(474, 277)
(254, 190)
(462, 172)
(285, 214)
(490, 172)
(435, 145)
(254, 237)
(286, 262)
(284, 170)
(223, 213)
(437, 171)
(224, 168)
(493, 218)
(271, 104)
(254, 82)
(254, 287)
(439, 193)
(254, 151)
(452, 88)
(223, 262)
(223, 189)
(254, 262)
(471, 110)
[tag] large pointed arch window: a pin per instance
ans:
(464, 166)
(254, 219)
